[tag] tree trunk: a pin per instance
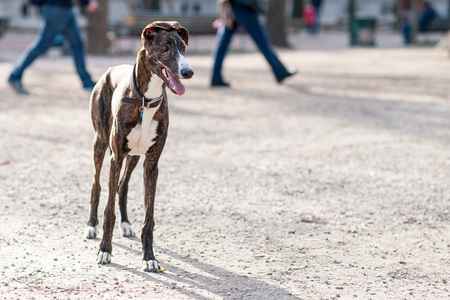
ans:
(276, 23)
(97, 42)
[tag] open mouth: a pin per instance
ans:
(173, 82)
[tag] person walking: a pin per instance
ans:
(317, 6)
(309, 17)
(237, 13)
(59, 18)
(427, 15)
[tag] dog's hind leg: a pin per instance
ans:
(149, 262)
(101, 120)
(125, 226)
(99, 148)
(109, 218)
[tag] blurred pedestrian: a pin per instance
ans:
(317, 7)
(309, 18)
(59, 18)
(427, 15)
(405, 20)
(235, 13)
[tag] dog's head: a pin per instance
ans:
(165, 44)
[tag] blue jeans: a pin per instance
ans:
(249, 20)
(316, 29)
(57, 20)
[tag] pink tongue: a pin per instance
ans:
(176, 84)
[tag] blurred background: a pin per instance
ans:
(361, 19)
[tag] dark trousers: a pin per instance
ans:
(248, 19)
(57, 20)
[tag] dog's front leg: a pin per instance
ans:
(109, 218)
(149, 262)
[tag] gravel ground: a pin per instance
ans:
(333, 185)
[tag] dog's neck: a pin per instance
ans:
(155, 87)
(149, 84)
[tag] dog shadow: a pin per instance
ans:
(209, 278)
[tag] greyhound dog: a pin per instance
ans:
(130, 115)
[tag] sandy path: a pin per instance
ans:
(335, 184)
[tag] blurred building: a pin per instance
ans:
(334, 12)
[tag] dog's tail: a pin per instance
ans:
(100, 106)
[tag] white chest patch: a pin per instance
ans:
(142, 137)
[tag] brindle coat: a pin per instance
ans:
(113, 120)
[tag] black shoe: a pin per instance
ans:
(219, 84)
(17, 86)
(290, 73)
(89, 86)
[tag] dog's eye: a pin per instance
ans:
(183, 48)
(165, 48)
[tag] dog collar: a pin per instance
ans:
(140, 99)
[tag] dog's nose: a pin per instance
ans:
(187, 73)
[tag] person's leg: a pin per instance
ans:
(223, 40)
(249, 20)
(51, 26)
(317, 25)
(73, 34)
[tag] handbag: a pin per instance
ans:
(258, 6)
(224, 15)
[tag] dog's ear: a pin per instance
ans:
(148, 32)
(184, 34)
(180, 30)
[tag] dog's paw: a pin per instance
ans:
(126, 230)
(103, 258)
(150, 266)
(91, 232)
